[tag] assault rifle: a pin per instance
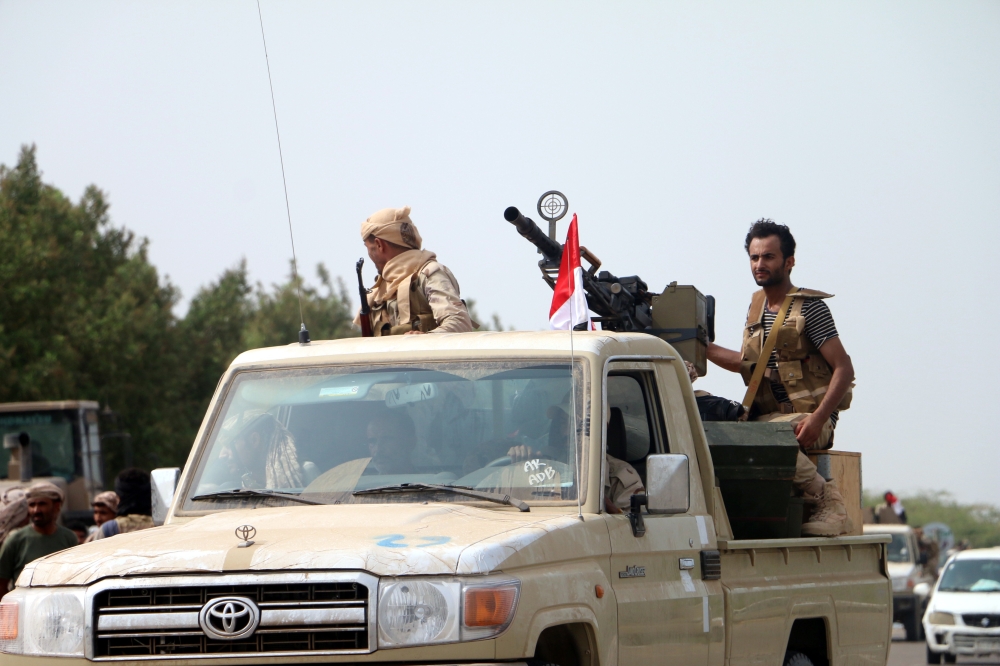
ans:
(366, 320)
(681, 315)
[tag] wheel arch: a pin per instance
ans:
(811, 636)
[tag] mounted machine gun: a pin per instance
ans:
(680, 315)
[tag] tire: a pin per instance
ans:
(912, 626)
(950, 658)
(797, 659)
(933, 657)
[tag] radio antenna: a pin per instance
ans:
(303, 332)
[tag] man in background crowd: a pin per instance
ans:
(42, 537)
(105, 507)
(13, 512)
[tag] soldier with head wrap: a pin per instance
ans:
(42, 537)
(13, 512)
(105, 507)
(135, 509)
(413, 292)
(262, 454)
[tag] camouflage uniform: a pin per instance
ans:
(621, 481)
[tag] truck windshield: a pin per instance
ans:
(324, 434)
(51, 434)
(971, 576)
(899, 549)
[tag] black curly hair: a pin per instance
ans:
(765, 227)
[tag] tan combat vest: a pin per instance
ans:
(802, 369)
(412, 314)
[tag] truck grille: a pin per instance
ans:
(303, 617)
(982, 620)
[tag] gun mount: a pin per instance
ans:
(680, 315)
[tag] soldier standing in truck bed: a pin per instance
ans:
(807, 380)
(432, 304)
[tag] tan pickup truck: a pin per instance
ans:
(427, 499)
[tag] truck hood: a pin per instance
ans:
(966, 602)
(383, 539)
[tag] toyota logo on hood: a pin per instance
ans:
(229, 618)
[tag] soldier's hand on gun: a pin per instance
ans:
(807, 431)
(522, 452)
(692, 371)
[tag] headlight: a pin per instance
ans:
(42, 622)
(938, 617)
(426, 610)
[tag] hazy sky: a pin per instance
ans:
(872, 129)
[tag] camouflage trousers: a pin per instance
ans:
(805, 470)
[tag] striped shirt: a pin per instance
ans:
(819, 328)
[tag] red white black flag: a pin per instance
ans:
(569, 301)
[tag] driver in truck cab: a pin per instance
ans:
(621, 481)
(808, 376)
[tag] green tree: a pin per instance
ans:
(84, 315)
(327, 311)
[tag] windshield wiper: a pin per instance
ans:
(458, 490)
(241, 493)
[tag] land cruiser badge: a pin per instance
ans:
(633, 572)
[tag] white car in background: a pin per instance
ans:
(963, 615)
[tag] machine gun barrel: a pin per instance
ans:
(550, 248)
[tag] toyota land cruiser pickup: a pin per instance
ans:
(441, 499)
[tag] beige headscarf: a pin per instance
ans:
(393, 225)
(13, 512)
(46, 490)
(108, 498)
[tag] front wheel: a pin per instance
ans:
(797, 659)
(933, 657)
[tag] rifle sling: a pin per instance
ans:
(765, 352)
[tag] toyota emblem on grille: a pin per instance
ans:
(229, 618)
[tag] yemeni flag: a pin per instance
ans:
(569, 302)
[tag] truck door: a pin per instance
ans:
(666, 612)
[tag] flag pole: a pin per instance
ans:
(572, 400)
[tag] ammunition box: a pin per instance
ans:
(680, 317)
(755, 464)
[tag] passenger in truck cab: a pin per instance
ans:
(263, 455)
(806, 379)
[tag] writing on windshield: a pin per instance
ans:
(326, 433)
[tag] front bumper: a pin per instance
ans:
(959, 639)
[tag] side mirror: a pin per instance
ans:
(921, 589)
(668, 483)
(164, 484)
